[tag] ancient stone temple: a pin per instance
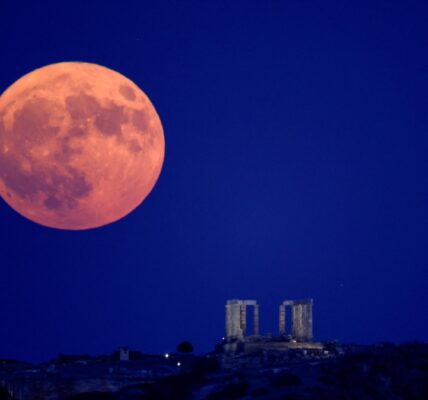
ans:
(298, 335)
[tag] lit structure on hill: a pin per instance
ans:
(300, 334)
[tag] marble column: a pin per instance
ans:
(282, 319)
(256, 320)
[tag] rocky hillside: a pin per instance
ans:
(382, 371)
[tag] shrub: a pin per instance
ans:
(92, 396)
(292, 396)
(206, 365)
(286, 379)
(259, 392)
(230, 392)
(185, 347)
(4, 395)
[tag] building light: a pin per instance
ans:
(166, 355)
(178, 364)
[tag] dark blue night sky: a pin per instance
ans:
(296, 166)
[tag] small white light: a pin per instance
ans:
(178, 364)
(166, 355)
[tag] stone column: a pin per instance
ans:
(297, 331)
(302, 322)
(228, 320)
(244, 319)
(294, 321)
(236, 320)
(304, 335)
(233, 319)
(256, 320)
(309, 322)
(282, 319)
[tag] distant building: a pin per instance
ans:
(123, 354)
(300, 334)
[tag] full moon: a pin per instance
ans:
(81, 146)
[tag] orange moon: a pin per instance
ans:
(81, 146)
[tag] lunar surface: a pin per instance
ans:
(81, 146)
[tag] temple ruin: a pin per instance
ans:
(301, 310)
(236, 318)
(298, 335)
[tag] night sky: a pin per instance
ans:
(296, 166)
